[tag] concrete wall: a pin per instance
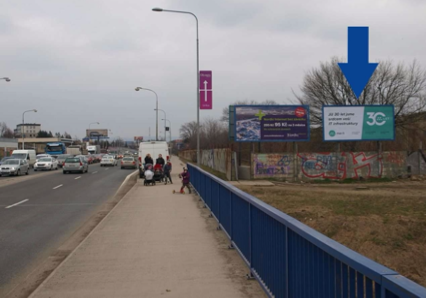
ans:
(329, 165)
(416, 163)
(216, 159)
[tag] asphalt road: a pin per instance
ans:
(38, 214)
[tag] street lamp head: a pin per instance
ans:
(138, 88)
(35, 110)
(7, 79)
(97, 123)
(157, 9)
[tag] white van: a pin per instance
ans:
(154, 148)
(28, 155)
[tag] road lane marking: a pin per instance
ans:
(77, 178)
(94, 172)
(16, 204)
(106, 169)
(56, 187)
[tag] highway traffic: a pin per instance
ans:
(38, 212)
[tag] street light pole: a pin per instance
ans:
(198, 76)
(165, 117)
(89, 130)
(22, 128)
(170, 128)
(156, 117)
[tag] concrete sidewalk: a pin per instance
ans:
(153, 244)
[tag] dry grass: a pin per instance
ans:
(386, 223)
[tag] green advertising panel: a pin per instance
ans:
(358, 123)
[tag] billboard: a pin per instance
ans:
(97, 133)
(358, 123)
(139, 138)
(271, 123)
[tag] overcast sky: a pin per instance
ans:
(78, 62)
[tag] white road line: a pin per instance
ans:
(106, 169)
(94, 172)
(77, 178)
(56, 187)
(23, 201)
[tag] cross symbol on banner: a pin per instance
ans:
(260, 114)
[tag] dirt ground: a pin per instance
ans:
(383, 221)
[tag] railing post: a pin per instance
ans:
(250, 239)
(231, 233)
(286, 262)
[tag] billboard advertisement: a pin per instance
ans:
(97, 133)
(271, 123)
(358, 123)
(138, 138)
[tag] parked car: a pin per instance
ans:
(108, 160)
(128, 162)
(46, 163)
(4, 159)
(15, 167)
(75, 164)
(61, 159)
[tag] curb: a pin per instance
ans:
(122, 186)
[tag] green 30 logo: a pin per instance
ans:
(376, 118)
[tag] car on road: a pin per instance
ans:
(4, 159)
(28, 155)
(108, 160)
(41, 156)
(89, 158)
(75, 164)
(15, 167)
(128, 162)
(61, 159)
(46, 163)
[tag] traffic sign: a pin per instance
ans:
(206, 90)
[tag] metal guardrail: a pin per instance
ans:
(290, 259)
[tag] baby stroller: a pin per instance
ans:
(146, 167)
(158, 173)
(149, 178)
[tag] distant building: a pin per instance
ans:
(30, 130)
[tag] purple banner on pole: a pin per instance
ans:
(206, 90)
(206, 100)
(272, 123)
(206, 80)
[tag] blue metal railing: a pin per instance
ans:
(290, 259)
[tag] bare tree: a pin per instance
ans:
(214, 134)
(399, 85)
(225, 111)
(5, 131)
(188, 132)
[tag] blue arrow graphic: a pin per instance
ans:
(358, 70)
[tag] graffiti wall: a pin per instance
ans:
(330, 165)
(216, 159)
(273, 166)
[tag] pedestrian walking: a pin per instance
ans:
(166, 170)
